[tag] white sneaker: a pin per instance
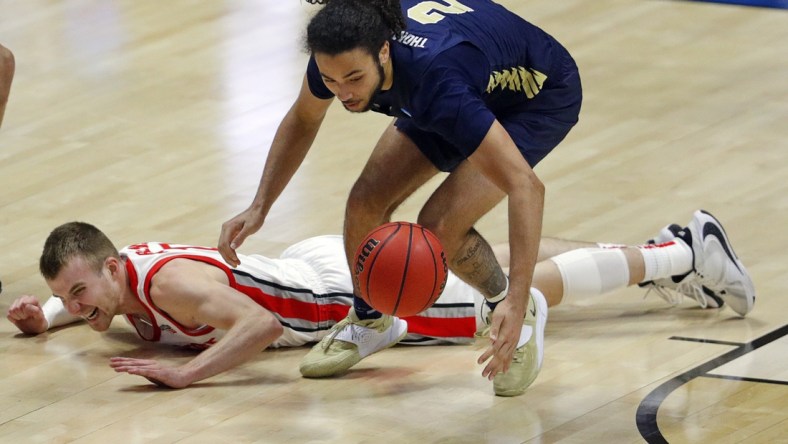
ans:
(717, 266)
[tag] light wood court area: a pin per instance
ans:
(152, 121)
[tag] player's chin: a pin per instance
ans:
(356, 107)
(99, 325)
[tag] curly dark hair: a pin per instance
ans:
(344, 25)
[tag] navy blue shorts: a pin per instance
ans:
(536, 127)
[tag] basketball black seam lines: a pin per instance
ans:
(404, 278)
(434, 271)
(374, 259)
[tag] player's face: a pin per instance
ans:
(353, 76)
(84, 292)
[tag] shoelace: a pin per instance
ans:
(335, 331)
(687, 288)
(339, 326)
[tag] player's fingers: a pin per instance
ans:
(493, 368)
(229, 256)
(31, 310)
(503, 351)
(236, 242)
(15, 306)
(245, 231)
(121, 361)
(486, 355)
(12, 312)
(495, 327)
(230, 230)
(19, 311)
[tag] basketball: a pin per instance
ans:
(400, 269)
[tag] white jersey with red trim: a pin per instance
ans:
(308, 289)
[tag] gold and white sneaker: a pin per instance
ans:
(528, 356)
(349, 341)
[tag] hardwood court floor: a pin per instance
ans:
(152, 120)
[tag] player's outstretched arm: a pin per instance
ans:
(292, 141)
(196, 294)
(500, 161)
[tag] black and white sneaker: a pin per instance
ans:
(675, 288)
(716, 265)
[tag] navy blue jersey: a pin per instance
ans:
(461, 64)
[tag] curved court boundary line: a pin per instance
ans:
(646, 415)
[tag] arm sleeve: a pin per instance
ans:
(315, 81)
(450, 102)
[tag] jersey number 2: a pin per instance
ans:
(432, 12)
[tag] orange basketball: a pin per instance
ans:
(400, 269)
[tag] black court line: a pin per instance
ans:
(742, 378)
(646, 415)
(706, 341)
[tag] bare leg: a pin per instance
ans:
(7, 66)
(395, 169)
(464, 197)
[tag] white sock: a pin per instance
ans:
(666, 260)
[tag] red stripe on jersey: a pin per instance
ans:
(442, 327)
(292, 308)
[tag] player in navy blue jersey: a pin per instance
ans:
(476, 91)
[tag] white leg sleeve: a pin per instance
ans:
(591, 271)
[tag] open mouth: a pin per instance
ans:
(93, 314)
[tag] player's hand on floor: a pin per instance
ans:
(26, 314)
(152, 370)
(505, 328)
